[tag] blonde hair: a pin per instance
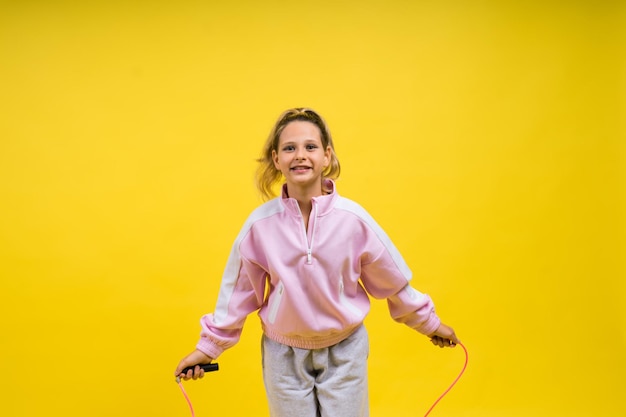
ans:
(267, 175)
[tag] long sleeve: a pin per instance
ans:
(387, 276)
(414, 309)
(241, 294)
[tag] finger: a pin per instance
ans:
(179, 368)
(198, 372)
(454, 340)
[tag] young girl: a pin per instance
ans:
(307, 261)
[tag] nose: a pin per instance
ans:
(300, 154)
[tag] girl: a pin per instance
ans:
(307, 262)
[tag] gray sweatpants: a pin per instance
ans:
(328, 382)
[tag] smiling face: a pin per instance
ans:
(302, 158)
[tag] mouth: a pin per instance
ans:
(299, 168)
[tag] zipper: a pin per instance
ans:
(312, 224)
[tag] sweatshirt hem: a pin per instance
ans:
(301, 342)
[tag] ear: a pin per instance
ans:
(327, 155)
(275, 159)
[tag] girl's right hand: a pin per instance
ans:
(193, 359)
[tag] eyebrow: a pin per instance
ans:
(306, 141)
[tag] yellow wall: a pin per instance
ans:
(488, 140)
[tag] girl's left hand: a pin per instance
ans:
(444, 336)
(192, 360)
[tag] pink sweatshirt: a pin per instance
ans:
(317, 280)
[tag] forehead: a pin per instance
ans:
(299, 130)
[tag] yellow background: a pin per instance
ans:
(487, 138)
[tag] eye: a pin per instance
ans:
(311, 147)
(288, 148)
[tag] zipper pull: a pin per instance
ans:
(308, 257)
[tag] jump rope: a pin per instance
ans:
(214, 367)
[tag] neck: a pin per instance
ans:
(304, 194)
(304, 197)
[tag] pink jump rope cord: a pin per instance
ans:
(425, 415)
(453, 383)
(180, 384)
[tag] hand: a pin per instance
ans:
(194, 358)
(444, 337)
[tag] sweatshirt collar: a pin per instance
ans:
(324, 202)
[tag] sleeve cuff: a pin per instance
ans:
(430, 326)
(210, 349)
